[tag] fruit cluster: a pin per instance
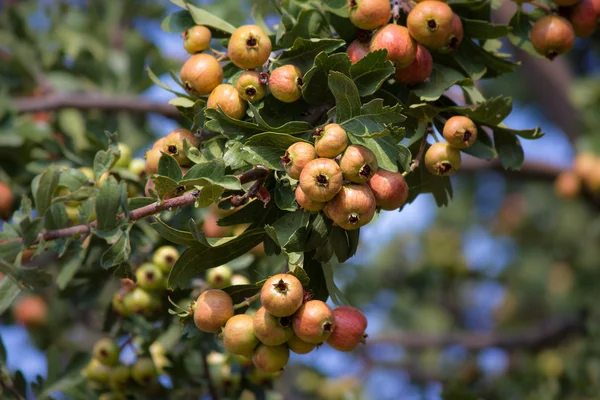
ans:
(141, 297)
(554, 34)
(430, 25)
(585, 172)
(287, 321)
(105, 371)
(342, 180)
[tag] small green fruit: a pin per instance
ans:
(239, 336)
(150, 277)
(299, 346)
(219, 277)
(137, 166)
(144, 372)
(97, 372)
(138, 301)
(165, 257)
(106, 351)
(196, 39)
(125, 157)
(119, 378)
(271, 358)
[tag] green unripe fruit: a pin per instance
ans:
(196, 39)
(97, 372)
(219, 277)
(238, 279)
(125, 157)
(119, 378)
(442, 159)
(271, 358)
(299, 346)
(150, 277)
(250, 86)
(118, 303)
(238, 335)
(106, 351)
(138, 301)
(271, 330)
(137, 166)
(144, 372)
(165, 257)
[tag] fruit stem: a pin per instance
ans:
(247, 301)
(417, 160)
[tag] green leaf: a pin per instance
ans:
(303, 51)
(118, 253)
(290, 231)
(73, 179)
(196, 259)
(203, 17)
(80, 194)
(168, 166)
(344, 243)
(520, 34)
(9, 291)
(494, 64)
(492, 111)
(173, 235)
(158, 82)
(315, 89)
(219, 122)
(208, 195)
(478, 29)
(317, 285)
(292, 127)
(177, 22)
(108, 203)
(371, 71)
(337, 297)
(52, 365)
(441, 79)
(106, 159)
(525, 134)
(165, 187)
(70, 268)
(45, 190)
(184, 102)
(509, 149)
(9, 249)
(240, 293)
(30, 229)
(389, 154)
(373, 118)
(421, 181)
(285, 197)
(347, 98)
(310, 24)
(268, 148)
(211, 173)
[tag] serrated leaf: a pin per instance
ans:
(30, 229)
(389, 154)
(169, 167)
(373, 118)
(173, 235)
(290, 231)
(45, 190)
(310, 23)
(478, 29)
(347, 98)
(285, 197)
(196, 259)
(104, 160)
(9, 291)
(301, 274)
(80, 194)
(371, 71)
(118, 253)
(291, 128)
(208, 195)
(219, 122)
(315, 88)
(268, 148)
(441, 79)
(107, 204)
(531, 134)
(211, 173)
(303, 51)
(520, 34)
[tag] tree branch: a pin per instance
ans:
(546, 334)
(93, 101)
(151, 209)
(531, 170)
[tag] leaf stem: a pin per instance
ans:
(417, 160)
(247, 301)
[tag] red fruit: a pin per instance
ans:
(299, 346)
(196, 39)
(369, 14)
(552, 35)
(238, 335)
(430, 23)
(271, 358)
(250, 86)
(228, 99)
(296, 157)
(584, 18)
(313, 323)
(420, 69)
(6, 201)
(358, 163)
(200, 74)
(353, 207)
(321, 179)
(153, 156)
(401, 48)
(271, 330)
(286, 83)
(211, 229)
(357, 50)
(596, 5)
(442, 159)
(212, 310)
(567, 185)
(350, 326)
(282, 295)
(249, 47)
(30, 311)
(306, 203)
(455, 36)
(173, 145)
(389, 188)
(330, 141)
(460, 132)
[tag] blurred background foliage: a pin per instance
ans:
(491, 297)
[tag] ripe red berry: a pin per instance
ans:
(30, 311)
(272, 330)
(389, 188)
(460, 132)
(321, 179)
(455, 36)
(296, 157)
(358, 163)
(6, 201)
(285, 83)
(226, 97)
(239, 336)
(442, 159)
(196, 39)
(313, 323)
(584, 18)
(350, 326)
(200, 74)
(552, 35)
(430, 23)
(401, 47)
(330, 141)
(282, 295)
(305, 202)
(369, 14)
(567, 185)
(357, 50)
(419, 70)
(271, 358)
(352, 207)
(212, 310)
(249, 47)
